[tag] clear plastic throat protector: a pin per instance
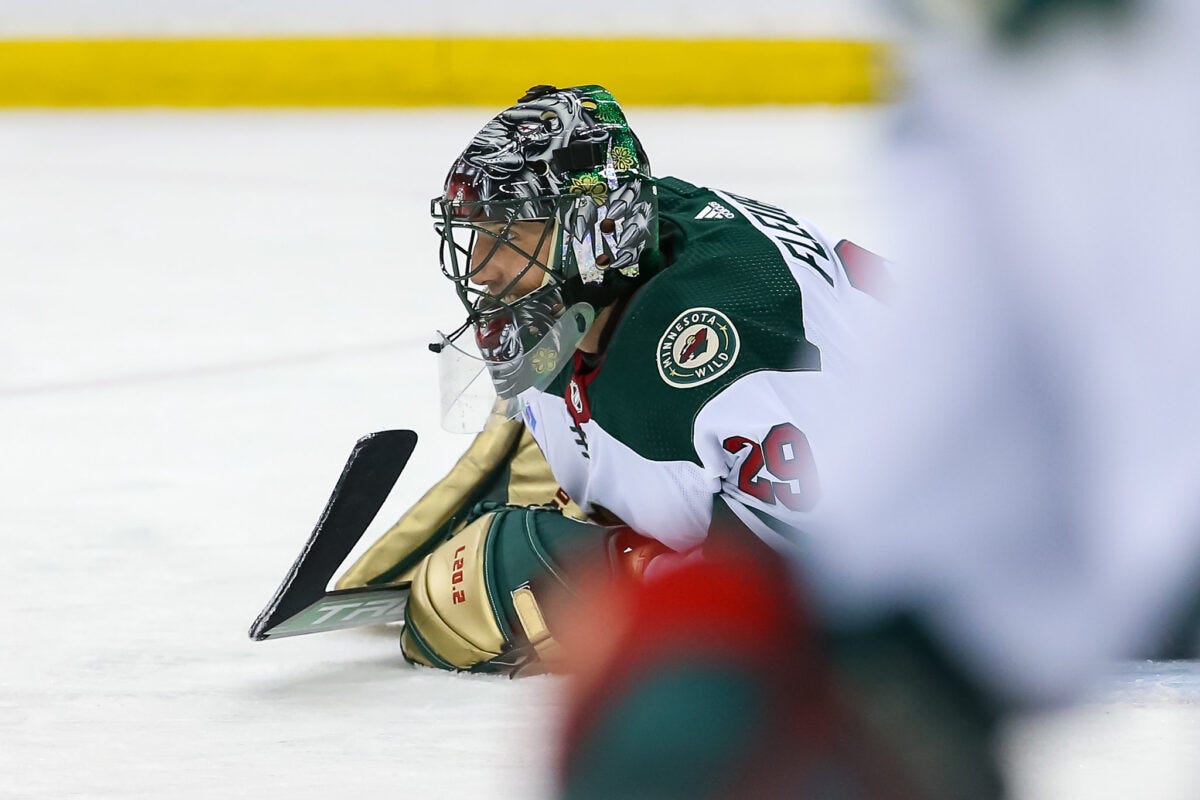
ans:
(515, 348)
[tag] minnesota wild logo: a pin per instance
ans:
(697, 347)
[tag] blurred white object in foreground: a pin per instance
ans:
(1025, 459)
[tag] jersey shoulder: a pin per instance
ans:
(726, 305)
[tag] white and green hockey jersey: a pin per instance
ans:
(705, 390)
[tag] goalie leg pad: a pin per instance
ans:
(449, 620)
(473, 603)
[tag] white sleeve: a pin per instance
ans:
(763, 438)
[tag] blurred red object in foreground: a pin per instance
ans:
(707, 681)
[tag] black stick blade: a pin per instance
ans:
(345, 608)
(368, 477)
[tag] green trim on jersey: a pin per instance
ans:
(716, 260)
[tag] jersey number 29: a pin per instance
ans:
(787, 456)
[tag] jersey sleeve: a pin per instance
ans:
(761, 440)
(713, 380)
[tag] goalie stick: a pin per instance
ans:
(301, 604)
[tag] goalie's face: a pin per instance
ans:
(502, 256)
(508, 261)
(498, 251)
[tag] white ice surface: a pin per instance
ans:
(199, 313)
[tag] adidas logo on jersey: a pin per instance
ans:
(714, 210)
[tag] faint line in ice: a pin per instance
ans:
(200, 370)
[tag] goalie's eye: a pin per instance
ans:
(503, 233)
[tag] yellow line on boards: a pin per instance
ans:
(432, 72)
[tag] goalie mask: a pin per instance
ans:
(542, 222)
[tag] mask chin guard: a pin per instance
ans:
(476, 391)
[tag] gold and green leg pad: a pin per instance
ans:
(476, 600)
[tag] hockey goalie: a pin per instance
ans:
(654, 348)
